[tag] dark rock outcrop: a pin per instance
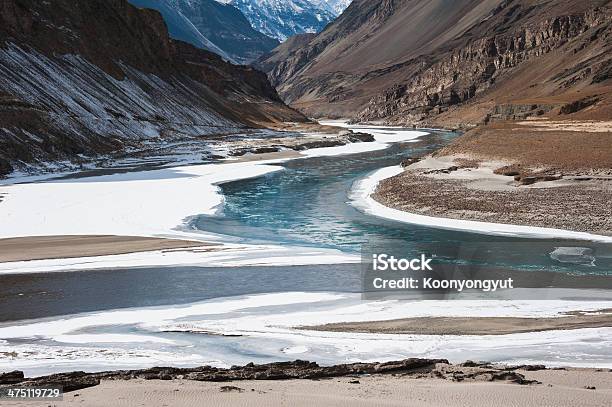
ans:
(319, 144)
(481, 374)
(227, 389)
(15, 376)
(361, 137)
(408, 161)
(578, 105)
(532, 179)
(68, 381)
(299, 369)
(485, 372)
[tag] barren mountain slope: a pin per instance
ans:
(85, 78)
(369, 35)
(268, 61)
(412, 60)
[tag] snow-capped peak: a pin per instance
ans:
(283, 18)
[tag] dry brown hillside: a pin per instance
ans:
(454, 63)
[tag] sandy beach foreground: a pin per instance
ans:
(62, 247)
(571, 387)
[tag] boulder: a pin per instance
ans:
(361, 137)
(409, 161)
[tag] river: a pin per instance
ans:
(134, 317)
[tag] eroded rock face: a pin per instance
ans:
(472, 69)
(578, 105)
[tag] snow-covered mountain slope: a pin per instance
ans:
(215, 26)
(227, 27)
(335, 6)
(284, 18)
(83, 79)
(243, 30)
(180, 27)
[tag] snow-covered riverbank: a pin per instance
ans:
(156, 203)
(218, 331)
(362, 198)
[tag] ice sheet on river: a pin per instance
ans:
(261, 328)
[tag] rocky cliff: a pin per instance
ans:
(499, 59)
(79, 79)
(463, 63)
